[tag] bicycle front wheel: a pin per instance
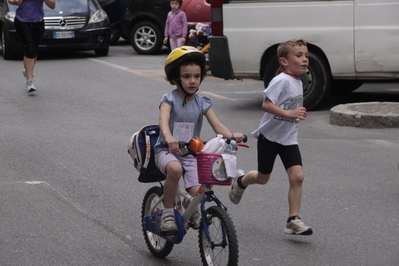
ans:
(158, 246)
(222, 249)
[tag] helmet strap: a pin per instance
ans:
(178, 81)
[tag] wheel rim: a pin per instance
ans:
(215, 253)
(307, 81)
(145, 38)
(157, 242)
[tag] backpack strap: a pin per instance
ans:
(148, 134)
(148, 149)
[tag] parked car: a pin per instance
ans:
(72, 25)
(115, 10)
(144, 21)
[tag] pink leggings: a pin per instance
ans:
(174, 43)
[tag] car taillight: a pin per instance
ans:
(217, 17)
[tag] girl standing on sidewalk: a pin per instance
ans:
(176, 26)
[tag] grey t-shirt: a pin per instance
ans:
(185, 121)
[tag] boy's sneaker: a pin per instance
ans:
(297, 227)
(235, 192)
(29, 86)
(168, 223)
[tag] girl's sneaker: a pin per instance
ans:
(297, 227)
(29, 86)
(168, 223)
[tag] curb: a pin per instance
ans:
(366, 115)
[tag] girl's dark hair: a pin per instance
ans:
(174, 73)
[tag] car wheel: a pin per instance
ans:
(316, 81)
(146, 38)
(8, 54)
(102, 51)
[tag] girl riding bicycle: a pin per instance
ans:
(180, 119)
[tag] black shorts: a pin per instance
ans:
(268, 151)
(31, 35)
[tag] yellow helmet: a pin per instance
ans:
(180, 55)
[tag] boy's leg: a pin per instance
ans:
(292, 160)
(267, 152)
(295, 178)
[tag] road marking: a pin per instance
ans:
(159, 75)
(217, 96)
(385, 143)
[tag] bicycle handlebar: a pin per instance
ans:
(184, 147)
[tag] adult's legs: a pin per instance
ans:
(31, 35)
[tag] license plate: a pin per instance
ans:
(63, 34)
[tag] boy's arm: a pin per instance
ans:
(219, 128)
(269, 107)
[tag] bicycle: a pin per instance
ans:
(217, 236)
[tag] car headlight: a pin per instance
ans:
(10, 16)
(99, 16)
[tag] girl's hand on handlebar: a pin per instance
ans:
(173, 144)
(239, 137)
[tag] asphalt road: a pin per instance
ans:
(70, 196)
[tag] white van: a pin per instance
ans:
(348, 41)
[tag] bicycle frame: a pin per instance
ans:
(151, 222)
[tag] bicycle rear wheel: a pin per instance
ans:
(223, 247)
(158, 246)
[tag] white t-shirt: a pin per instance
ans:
(287, 93)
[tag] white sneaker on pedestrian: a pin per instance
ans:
(297, 227)
(29, 86)
(235, 192)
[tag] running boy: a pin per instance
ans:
(180, 119)
(278, 130)
(176, 25)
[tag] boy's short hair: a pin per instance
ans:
(180, 2)
(284, 48)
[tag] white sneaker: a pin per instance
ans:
(168, 223)
(235, 192)
(297, 227)
(29, 86)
